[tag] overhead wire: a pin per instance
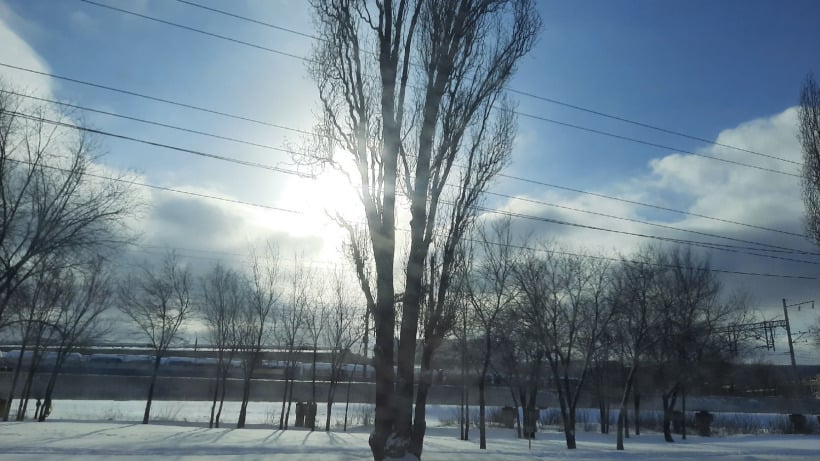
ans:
(218, 36)
(521, 215)
(252, 120)
(517, 215)
(163, 145)
(268, 207)
(638, 221)
(150, 122)
(514, 90)
(309, 60)
(292, 152)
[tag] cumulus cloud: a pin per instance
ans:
(705, 187)
(16, 51)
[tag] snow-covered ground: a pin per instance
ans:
(102, 430)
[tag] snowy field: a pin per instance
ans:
(103, 430)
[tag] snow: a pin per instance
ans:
(78, 430)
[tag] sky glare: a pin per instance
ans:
(726, 74)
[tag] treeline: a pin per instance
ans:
(59, 227)
(63, 229)
(537, 309)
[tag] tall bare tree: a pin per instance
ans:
(223, 297)
(692, 326)
(567, 304)
(51, 211)
(343, 329)
(257, 319)
(491, 290)
(158, 301)
(636, 291)
(291, 329)
(36, 303)
(808, 114)
(406, 89)
(315, 324)
(89, 291)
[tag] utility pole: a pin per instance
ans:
(789, 335)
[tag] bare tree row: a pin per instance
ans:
(58, 228)
(568, 315)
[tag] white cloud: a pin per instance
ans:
(706, 187)
(17, 52)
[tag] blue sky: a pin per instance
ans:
(727, 71)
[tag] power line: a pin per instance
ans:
(653, 144)
(152, 122)
(141, 120)
(644, 204)
(636, 234)
(268, 207)
(638, 221)
(164, 146)
(702, 244)
(706, 245)
(513, 90)
(710, 245)
(649, 126)
(248, 19)
(303, 58)
(648, 263)
(199, 31)
(163, 188)
(501, 175)
(155, 99)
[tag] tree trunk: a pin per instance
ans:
(626, 421)
(15, 376)
(331, 392)
(27, 385)
(147, 415)
(284, 397)
(290, 402)
(225, 372)
(246, 395)
(217, 380)
(683, 411)
(384, 323)
(467, 414)
(426, 381)
(517, 414)
(569, 428)
(668, 399)
(637, 413)
(482, 397)
(52, 383)
(622, 422)
(347, 398)
(313, 384)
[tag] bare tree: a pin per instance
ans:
(223, 297)
(291, 330)
(520, 356)
(51, 211)
(636, 291)
(491, 290)
(257, 320)
(808, 114)
(567, 304)
(158, 301)
(393, 122)
(315, 323)
(343, 329)
(35, 304)
(691, 327)
(89, 291)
